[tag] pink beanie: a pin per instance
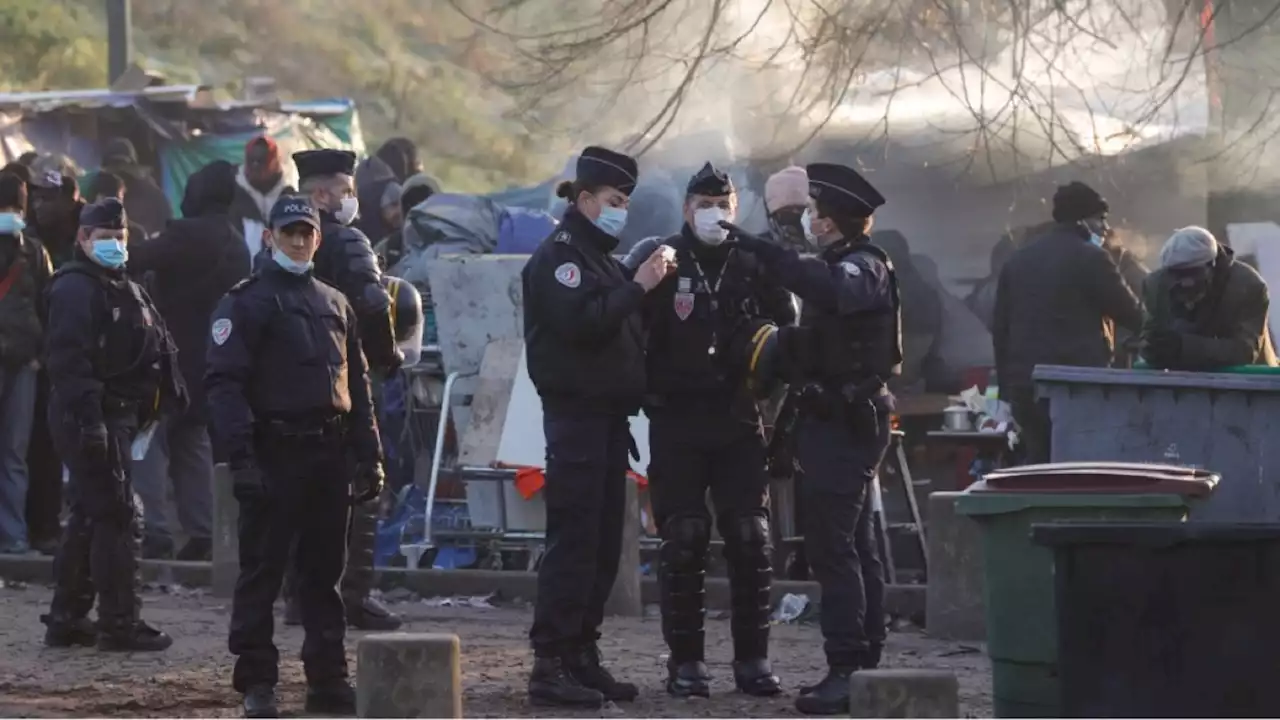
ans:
(789, 186)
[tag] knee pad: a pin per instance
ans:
(752, 531)
(685, 540)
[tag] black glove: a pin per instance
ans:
(94, 444)
(247, 484)
(370, 479)
(745, 240)
(1163, 347)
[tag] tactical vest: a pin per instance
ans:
(865, 346)
(21, 331)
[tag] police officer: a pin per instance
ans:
(847, 347)
(346, 261)
(289, 397)
(705, 432)
(585, 346)
(112, 369)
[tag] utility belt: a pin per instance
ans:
(851, 402)
(128, 412)
(312, 430)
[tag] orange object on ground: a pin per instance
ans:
(529, 480)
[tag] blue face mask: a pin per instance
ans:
(611, 220)
(11, 223)
(1096, 239)
(110, 252)
(288, 263)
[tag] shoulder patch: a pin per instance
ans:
(243, 284)
(851, 268)
(220, 331)
(569, 275)
(562, 236)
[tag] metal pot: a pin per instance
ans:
(957, 419)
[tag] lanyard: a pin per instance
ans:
(714, 291)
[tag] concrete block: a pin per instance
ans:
(408, 675)
(954, 605)
(904, 693)
(226, 534)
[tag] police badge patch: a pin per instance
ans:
(684, 305)
(569, 275)
(221, 331)
(851, 268)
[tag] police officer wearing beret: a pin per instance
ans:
(585, 346)
(289, 397)
(705, 432)
(346, 261)
(113, 372)
(847, 347)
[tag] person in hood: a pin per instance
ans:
(109, 185)
(55, 205)
(25, 271)
(260, 182)
(191, 265)
(1057, 301)
(401, 156)
(1204, 310)
(379, 195)
(146, 203)
(704, 435)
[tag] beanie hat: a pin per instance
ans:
(1189, 247)
(1076, 201)
(789, 186)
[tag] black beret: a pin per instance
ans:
(107, 215)
(312, 163)
(1076, 201)
(606, 168)
(711, 182)
(842, 187)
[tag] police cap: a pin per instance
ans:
(606, 168)
(842, 187)
(106, 214)
(313, 163)
(290, 209)
(711, 182)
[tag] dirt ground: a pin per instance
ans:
(192, 679)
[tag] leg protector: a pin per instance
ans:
(747, 551)
(682, 561)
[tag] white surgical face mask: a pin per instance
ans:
(706, 224)
(347, 213)
(806, 222)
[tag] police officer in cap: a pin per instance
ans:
(585, 346)
(289, 397)
(705, 432)
(346, 261)
(847, 347)
(113, 373)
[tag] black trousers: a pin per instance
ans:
(98, 553)
(839, 460)
(585, 492)
(1034, 426)
(44, 469)
(691, 453)
(308, 501)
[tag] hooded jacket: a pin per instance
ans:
(250, 207)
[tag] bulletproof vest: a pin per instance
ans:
(132, 343)
(866, 345)
(20, 328)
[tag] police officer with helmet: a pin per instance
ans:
(847, 347)
(346, 261)
(705, 432)
(585, 346)
(289, 397)
(113, 374)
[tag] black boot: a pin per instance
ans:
(829, 697)
(756, 678)
(260, 702)
(688, 679)
(551, 684)
(336, 697)
(197, 549)
(368, 613)
(585, 666)
(871, 660)
(68, 632)
(132, 637)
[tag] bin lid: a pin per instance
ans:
(1100, 478)
(1152, 534)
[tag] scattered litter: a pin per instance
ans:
(791, 608)
(473, 601)
(962, 650)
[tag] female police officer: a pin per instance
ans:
(585, 352)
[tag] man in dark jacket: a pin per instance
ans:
(109, 185)
(259, 184)
(1204, 310)
(192, 263)
(1056, 302)
(415, 191)
(146, 203)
